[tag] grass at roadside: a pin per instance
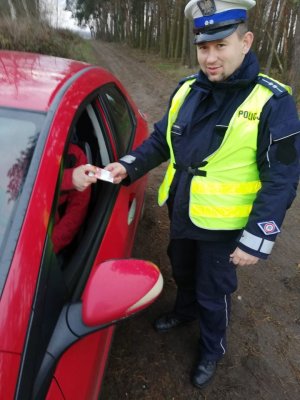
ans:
(38, 37)
(172, 68)
(175, 69)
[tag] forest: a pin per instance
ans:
(159, 26)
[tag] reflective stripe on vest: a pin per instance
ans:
(223, 199)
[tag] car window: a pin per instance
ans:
(120, 117)
(99, 133)
(78, 214)
(18, 137)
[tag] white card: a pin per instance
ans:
(104, 175)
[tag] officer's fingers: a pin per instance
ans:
(235, 253)
(116, 170)
(238, 259)
(246, 261)
(239, 262)
(235, 260)
(250, 260)
(117, 180)
(243, 257)
(119, 177)
(112, 166)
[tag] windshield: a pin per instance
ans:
(19, 131)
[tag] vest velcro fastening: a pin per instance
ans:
(192, 170)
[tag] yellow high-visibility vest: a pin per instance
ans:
(223, 199)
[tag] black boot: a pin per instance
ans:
(203, 373)
(168, 321)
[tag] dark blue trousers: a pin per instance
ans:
(205, 279)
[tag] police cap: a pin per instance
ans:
(216, 19)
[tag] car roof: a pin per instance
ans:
(31, 81)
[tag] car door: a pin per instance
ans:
(120, 206)
(107, 232)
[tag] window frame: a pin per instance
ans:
(106, 108)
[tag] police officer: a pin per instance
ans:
(232, 138)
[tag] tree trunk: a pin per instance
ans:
(173, 29)
(295, 70)
(164, 32)
(274, 41)
(185, 42)
(181, 21)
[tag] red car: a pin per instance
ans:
(58, 309)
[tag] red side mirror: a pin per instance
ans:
(119, 288)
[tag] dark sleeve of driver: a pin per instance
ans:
(278, 163)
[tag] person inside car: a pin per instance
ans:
(72, 203)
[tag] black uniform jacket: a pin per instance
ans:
(198, 134)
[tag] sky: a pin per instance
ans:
(59, 17)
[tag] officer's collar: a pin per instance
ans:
(242, 77)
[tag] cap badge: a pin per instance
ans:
(207, 7)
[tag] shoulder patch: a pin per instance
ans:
(269, 227)
(188, 78)
(276, 88)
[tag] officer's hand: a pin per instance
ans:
(80, 177)
(117, 171)
(241, 258)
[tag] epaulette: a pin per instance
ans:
(278, 89)
(188, 78)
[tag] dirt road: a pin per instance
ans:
(263, 359)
